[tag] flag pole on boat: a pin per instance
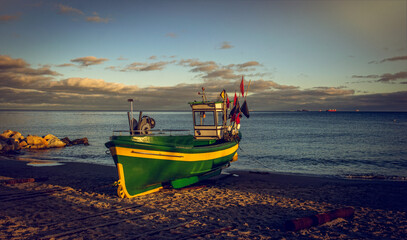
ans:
(130, 115)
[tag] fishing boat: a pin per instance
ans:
(148, 160)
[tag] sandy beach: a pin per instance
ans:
(78, 201)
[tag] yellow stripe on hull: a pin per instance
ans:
(172, 156)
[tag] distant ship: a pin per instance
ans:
(331, 110)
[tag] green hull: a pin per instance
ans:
(146, 163)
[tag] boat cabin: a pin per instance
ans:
(209, 119)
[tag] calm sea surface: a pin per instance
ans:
(320, 143)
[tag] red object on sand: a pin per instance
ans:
(23, 180)
(318, 219)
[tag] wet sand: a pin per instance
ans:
(78, 201)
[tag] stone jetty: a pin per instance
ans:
(13, 141)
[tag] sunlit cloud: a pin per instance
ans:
(140, 66)
(64, 9)
(68, 10)
(263, 85)
(18, 73)
(88, 85)
(66, 65)
(8, 18)
(226, 45)
(23, 87)
(211, 69)
(171, 35)
(6, 62)
(248, 64)
(89, 60)
(333, 91)
(97, 19)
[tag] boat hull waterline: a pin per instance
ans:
(146, 163)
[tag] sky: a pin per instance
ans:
(94, 55)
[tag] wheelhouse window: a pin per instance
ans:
(220, 118)
(204, 118)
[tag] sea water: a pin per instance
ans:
(311, 143)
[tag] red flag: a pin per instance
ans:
(227, 102)
(233, 118)
(242, 87)
(235, 100)
(238, 119)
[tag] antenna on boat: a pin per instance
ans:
(130, 115)
(203, 95)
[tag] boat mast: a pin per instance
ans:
(224, 111)
(131, 116)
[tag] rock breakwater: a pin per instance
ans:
(13, 141)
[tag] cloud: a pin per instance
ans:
(8, 18)
(326, 98)
(121, 58)
(262, 85)
(392, 59)
(89, 60)
(18, 73)
(398, 58)
(331, 91)
(66, 65)
(385, 78)
(18, 66)
(211, 69)
(97, 19)
(64, 9)
(244, 67)
(171, 35)
(221, 73)
(226, 45)
(138, 66)
(365, 76)
(198, 66)
(88, 85)
(23, 87)
(248, 64)
(6, 62)
(67, 10)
